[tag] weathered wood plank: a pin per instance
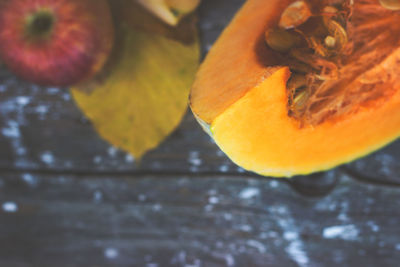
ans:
(183, 221)
(42, 129)
(67, 198)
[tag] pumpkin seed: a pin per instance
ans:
(338, 33)
(294, 15)
(300, 100)
(390, 4)
(329, 11)
(281, 40)
(297, 81)
(330, 42)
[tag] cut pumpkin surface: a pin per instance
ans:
(233, 66)
(242, 96)
(258, 135)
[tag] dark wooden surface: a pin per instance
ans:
(67, 198)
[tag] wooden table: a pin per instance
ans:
(68, 198)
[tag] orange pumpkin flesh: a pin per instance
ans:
(232, 66)
(245, 103)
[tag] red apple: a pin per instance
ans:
(55, 42)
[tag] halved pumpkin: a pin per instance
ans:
(349, 105)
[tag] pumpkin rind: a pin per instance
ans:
(246, 106)
(256, 133)
(212, 92)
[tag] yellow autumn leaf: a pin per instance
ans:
(142, 96)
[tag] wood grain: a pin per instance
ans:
(64, 220)
(68, 198)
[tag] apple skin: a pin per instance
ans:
(55, 42)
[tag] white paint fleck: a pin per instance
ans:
(273, 234)
(241, 249)
(34, 88)
(142, 197)
(224, 168)
(47, 157)
(278, 243)
(194, 154)
(281, 210)
(208, 208)
(258, 245)
(29, 179)
(194, 158)
(213, 200)
(387, 162)
(152, 264)
(157, 207)
(345, 232)
(290, 236)
(338, 257)
(10, 207)
(229, 260)
(196, 263)
(66, 97)
(194, 168)
(195, 162)
(21, 151)
(12, 130)
(220, 153)
(53, 90)
(263, 235)
(344, 210)
(273, 184)
(228, 216)
(397, 247)
(343, 217)
(212, 191)
(245, 228)
(374, 227)
(129, 158)
(249, 192)
(42, 109)
(182, 256)
(295, 250)
(68, 164)
(23, 100)
(97, 196)
(241, 170)
(219, 244)
(97, 159)
(331, 206)
(62, 180)
(112, 151)
(111, 253)
(370, 201)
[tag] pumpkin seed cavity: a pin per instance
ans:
(342, 54)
